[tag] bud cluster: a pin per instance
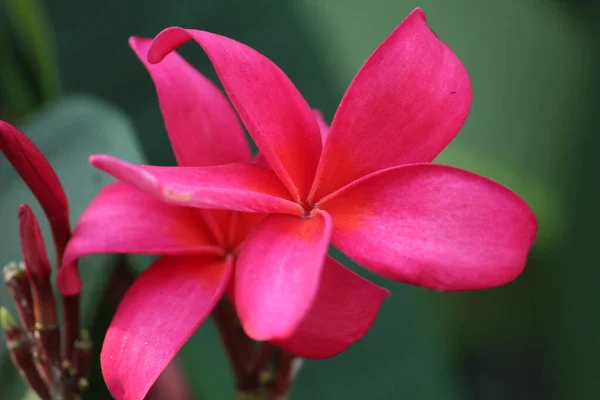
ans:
(34, 344)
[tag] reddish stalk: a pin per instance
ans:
(261, 370)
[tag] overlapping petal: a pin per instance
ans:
(123, 219)
(38, 174)
(278, 273)
(407, 102)
(241, 226)
(343, 311)
(433, 226)
(323, 126)
(158, 314)
(271, 108)
(239, 187)
(202, 126)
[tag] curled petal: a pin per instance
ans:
(158, 314)
(32, 244)
(342, 313)
(433, 226)
(36, 171)
(272, 109)
(68, 280)
(123, 219)
(407, 102)
(278, 273)
(238, 187)
(202, 126)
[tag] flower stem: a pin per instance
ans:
(287, 369)
(261, 370)
(70, 307)
(19, 288)
(225, 320)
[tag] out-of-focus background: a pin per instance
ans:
(70, 81)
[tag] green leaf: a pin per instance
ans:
(205, 361)
(67, 133)
(16, 96)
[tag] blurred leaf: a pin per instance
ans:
(16, 96)
(67, 133)
(204, 358)
(32, 28)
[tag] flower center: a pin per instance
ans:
(309, 210)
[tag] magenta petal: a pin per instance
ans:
(407, 102)
(278, 273)
(123, 219)
(36, 171)
(238, 187)
(202, 126)
(158, 314)
(272, 109)
(343, 311)
(433, 226)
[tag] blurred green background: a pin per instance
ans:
(68, 78)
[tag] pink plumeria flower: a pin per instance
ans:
(198, 248)
(366, 185)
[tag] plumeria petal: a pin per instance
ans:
(278, 273)
(123, 219)
(202, 126)
(272, 109)
(32, 244)
(433, 226)
(408, 101)
(239, 187)
(36, 171)
(158, 314)
(343, 311)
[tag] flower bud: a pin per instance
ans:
(19, 287)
